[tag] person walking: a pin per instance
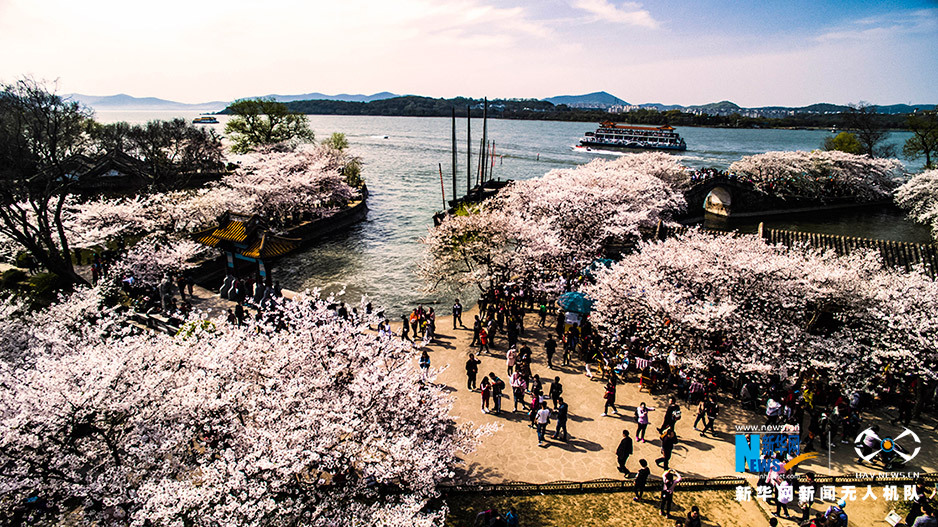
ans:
(543, 419)
(457, 314)
(671, 415)
(486, 388)
(510, 357)
(561, 420)
(484, 341)
(670, 479)
(556, 389)
(641, 416)
(668, 440)
(624, 451)
(712, 410)
(701, 413)
(472, 369)
(693, 517)
(550, 347)
(476, 329)
(640, 479)
(424, 366)
(806, 497)
(610, 398)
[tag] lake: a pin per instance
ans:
(401, 157)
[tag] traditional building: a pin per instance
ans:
(248, 246)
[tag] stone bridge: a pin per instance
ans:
(724, 196)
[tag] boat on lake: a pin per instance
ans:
(612, 136)
(205, 119)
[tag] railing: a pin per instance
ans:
(582, 487)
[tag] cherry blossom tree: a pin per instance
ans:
(779, 309)
(820, 174)
(94, 222)
(302, 419)
(920, 196)
(157, 255)
(538, 229)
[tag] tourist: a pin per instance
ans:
(476, 329)
(511, 518)
(562, 410)
(486, 390)
(518, 386)
(783, 495)
(550, 347)
(640, 479)
(624, 451)
(693, 517)
(431, 326)
(701, 413)
(510, 358)
(484, 341)
(870, 443)
(668, 440)
(543, 419)
(239, 313)
(837, 517)
(806, 497)
(231, 318)
(671, 415)
(542, 314)
(405, 327)
(670, 479)
(536, 387)
(641, 417)
(555, 390)
(610, 398)
(497, 386)
(472, 368)
(712, 409)
(927, 519)
(424, 366)
(457, 314)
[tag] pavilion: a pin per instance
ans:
(247, 243)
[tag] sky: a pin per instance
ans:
(788, 53)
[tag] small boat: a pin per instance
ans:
(205, 119)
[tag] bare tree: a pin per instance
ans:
(39, 134)
(863, 120)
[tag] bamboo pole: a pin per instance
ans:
(442, 188)
(454, 153)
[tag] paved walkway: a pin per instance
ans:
(513, 454)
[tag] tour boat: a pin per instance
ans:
(205, 119)
(612, 136)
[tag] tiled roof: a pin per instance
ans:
(270, 246)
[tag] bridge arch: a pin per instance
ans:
(719, 201)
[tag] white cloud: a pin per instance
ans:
(893, 25)
(630, 13)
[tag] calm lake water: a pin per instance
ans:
(401, 158)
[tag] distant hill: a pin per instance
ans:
(316, 96)
(716, 107)
(123, 101)
(598, 99)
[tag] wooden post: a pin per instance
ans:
(468, 150)
(454, 153)
(442, 188)
(485, 134)
(761, 229)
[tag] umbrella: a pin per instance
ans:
(575, 302)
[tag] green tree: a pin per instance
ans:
(39, 134)
(264, 121)
(337, 140)
(845, 142)
(173, 151)
(924, 140)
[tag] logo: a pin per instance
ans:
(887, 446)
(766, 452)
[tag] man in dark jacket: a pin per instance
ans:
(624, 451)
(561, 420)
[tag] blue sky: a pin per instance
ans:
(755, 54)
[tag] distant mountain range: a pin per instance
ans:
(127, 102)
(597, 100)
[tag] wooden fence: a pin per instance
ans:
(895, 254)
